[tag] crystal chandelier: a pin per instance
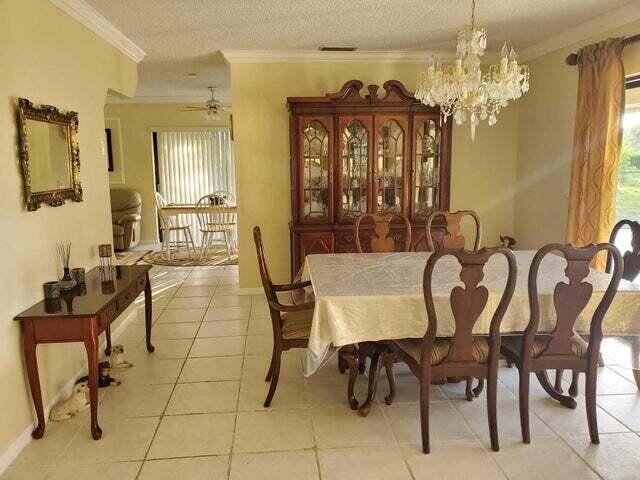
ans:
(463, 90)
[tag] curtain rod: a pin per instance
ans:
(572, 59)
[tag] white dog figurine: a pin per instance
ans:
(116, 359)
(68, 408)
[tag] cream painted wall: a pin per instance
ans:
(547, 117)
(48, 57)
(483, 174)
(137, 120)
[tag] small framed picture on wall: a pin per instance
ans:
(109, 146)
(113, 150)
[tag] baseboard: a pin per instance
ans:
(250, 291)
(11, 453)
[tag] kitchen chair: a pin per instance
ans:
(213, 221)
(291, 322)
(452, 237)
(563, 348)
(170, 225)
(464, 354)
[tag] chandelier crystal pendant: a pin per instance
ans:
(463, 90)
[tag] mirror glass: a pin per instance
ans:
(49, 155)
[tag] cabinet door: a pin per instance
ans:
(427, 154)
(355, 165)
(390, 166)
(315, 182)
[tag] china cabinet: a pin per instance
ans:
(353, 153)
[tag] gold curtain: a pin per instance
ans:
(596, 144)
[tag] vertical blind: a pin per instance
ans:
(192, 164)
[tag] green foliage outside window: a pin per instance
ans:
(628, 194)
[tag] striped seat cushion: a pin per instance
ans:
(440, 350)
(514, 344)
(296, 325)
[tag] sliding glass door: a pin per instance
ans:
(191, 164)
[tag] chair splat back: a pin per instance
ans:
(468, 303)
(382, 238)
(632, 257)
(570, 298)
(213, 214)
(453, 238)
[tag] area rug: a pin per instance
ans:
(130, 257)
(183, 258)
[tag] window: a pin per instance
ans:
(628, 192)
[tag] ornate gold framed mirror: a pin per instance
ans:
(49, 154)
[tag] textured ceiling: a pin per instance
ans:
(180, 36)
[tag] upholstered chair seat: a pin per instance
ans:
(126, 209)
(441, 347)
(514, 344)
(296, 325)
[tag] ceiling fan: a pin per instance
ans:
(212, 106)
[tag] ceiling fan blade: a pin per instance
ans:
(193, 109)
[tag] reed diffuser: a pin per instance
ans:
(64, 252)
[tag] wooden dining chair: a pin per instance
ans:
(215, 222)
(291, 322)
(169, 226)
(535, 352)
(452, 237)
(382, 239)
(464, 354)
(630, 272)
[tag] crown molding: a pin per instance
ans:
(112, 99)
(94, 21)
(589, 29)
(316, 56)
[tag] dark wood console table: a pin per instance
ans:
(81, 315)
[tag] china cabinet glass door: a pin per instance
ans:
(390, 164)
(426, 165)
(355, 165)
(315, 164)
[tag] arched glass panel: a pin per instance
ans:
(315, 165)
(355, 164)
(427, 167)
(390, 167)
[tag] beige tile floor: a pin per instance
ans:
(193, 410)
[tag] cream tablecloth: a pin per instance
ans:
(378, 296)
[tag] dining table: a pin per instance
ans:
(173, 209)
(373, 297)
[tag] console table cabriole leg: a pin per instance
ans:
(91, 344)
(107, 334)
(148, 305)
(31, 362)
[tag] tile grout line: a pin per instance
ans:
(235, 421)
(478, 439)
(162, 415)
(395, 438)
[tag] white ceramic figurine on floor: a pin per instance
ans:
(116, 359)
(68, 408)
